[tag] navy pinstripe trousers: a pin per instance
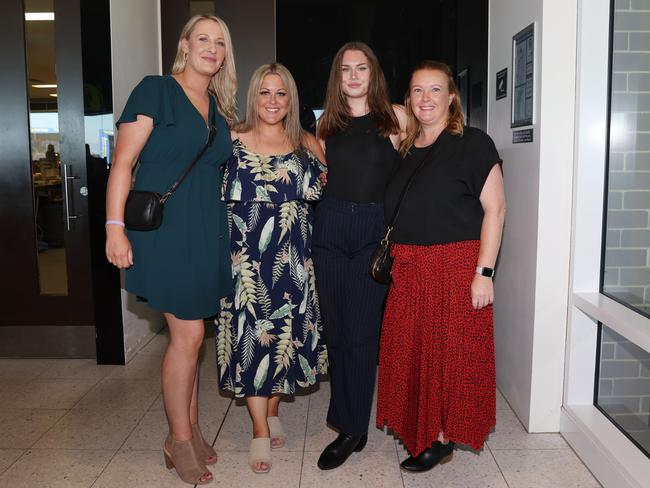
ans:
(345, 235)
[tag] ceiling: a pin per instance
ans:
(40, 46)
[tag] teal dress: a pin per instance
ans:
(183, 267)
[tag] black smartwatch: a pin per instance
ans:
(484, 271)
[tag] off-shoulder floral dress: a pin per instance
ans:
(268, 333)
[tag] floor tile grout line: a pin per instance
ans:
(126, 438)
(60, 419)
(136, 426)
(25, 451)
(401, 475)
(498, 466)
(223, 421)
(304, 443)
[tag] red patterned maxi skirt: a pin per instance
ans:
(436, 360)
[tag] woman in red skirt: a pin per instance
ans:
(436, 374)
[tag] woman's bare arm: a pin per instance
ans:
(131, 138)
(494, 208)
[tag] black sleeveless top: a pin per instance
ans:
(359, 162)
(443, 203)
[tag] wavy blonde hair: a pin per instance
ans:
(224, 82)
(456, 119)
(295, 133)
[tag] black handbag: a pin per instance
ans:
(144, 209)
(381, 262)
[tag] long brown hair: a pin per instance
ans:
(336, 115)
(456, 118)
(224, 82)
(291, 122)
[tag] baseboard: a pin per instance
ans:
(606, 452)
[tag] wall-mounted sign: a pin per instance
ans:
(502, 84)
(462, 81)
(523, 75)
(522, 136)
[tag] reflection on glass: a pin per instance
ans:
(46, 162)
(627, 241)
(624, 386)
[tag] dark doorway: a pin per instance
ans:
(401, 33)
(56, 122)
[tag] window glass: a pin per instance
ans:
(624, 386)
(626, 273)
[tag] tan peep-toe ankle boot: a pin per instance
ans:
(204, 450)
(182, 456)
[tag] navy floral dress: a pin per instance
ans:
(268, 331)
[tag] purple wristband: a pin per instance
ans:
(114, 222)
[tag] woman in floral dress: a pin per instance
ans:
(268, 330)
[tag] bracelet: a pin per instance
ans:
(114, 222)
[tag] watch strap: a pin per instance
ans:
(485, 271)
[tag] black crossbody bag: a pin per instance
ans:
(381, 261)
(144, 209)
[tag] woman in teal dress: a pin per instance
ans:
(182, 267)
(268, 330)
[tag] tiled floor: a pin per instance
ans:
(71, 423)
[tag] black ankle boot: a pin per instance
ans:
(438, 453)
(339, 451)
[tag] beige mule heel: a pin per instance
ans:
(260, 452)
(277, 432)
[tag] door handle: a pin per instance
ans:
(67, 176)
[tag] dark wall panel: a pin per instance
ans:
(253, 28)
(472, 53)
(401, 34)
(173, 15)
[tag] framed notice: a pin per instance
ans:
(523, 76)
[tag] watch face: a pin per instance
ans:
(489, 272)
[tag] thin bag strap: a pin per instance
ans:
(212, 131)
(406, 188)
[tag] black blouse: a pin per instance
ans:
(442, 204)
(359, 162)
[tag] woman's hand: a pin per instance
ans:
(482, 291)
(131, 138)
(118, 247)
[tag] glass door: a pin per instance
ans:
(45, 244)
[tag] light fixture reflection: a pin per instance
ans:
(53, 94)
(43, 86)
(39, 15)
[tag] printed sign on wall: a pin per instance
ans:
(523, 75)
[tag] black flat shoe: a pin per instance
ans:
(438, 453)
(339, 451)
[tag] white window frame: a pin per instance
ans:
(606, 451)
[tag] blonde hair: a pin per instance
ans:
(224, 82)
(291, 122)
(456, 119)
